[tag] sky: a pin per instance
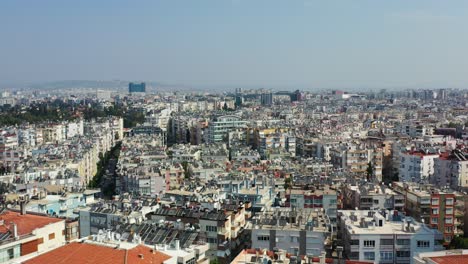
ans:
(306, 44)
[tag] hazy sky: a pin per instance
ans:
(265, 43)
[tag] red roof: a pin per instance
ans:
(457, 259)
(77, 253)
(421, 153)
(26, 223)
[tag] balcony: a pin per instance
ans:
(386, 247)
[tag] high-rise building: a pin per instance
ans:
(297, 96)
(219, 128)
(137, 87)
(266, 98)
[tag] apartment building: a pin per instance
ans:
(417, 166)
(356, 159)
(384, 237)
(299, 231)
(367, 196)
(25, 234)
(219, 227)
(220, 126)
(441, 210)
(322, 197)
(451, 170)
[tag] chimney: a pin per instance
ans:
(14, 230)
(322, 257)
(23, 207)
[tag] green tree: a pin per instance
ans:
(458, 242)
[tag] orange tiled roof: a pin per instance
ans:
(456, 259)
(28, 222)
(77, 253)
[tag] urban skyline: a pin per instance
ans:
(208, 44)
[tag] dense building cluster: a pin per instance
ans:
(248, 176)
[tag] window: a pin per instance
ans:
(449, 211)
(425, 201)
(434, 220)
(51, 236)
(435, 201)
(11, 253)
(263, 238)
(449, 220)
(403, 242)
(435, 211)
(386, 255)
(422, 243)
(354, 242)
(449, 201)
(211, 229)
(212, 240)
(369, 243)
(369, 255)
(448, 229)
(354, 255)
(386, 242)
(403, 254)
(293, 200)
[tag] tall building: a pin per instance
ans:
(219, 128)
(137, 87)
(266, 98)
(297, 96)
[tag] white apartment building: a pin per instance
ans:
(385, 236)
(220, 127)
(451, 169)
(299, 232)
(416, 165)
(8, 139)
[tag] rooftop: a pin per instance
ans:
(94, 253)
(26, 223)
(378, 223)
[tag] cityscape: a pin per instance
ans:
(255, 162)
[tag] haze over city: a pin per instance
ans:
(234, 132)
(303, 44)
